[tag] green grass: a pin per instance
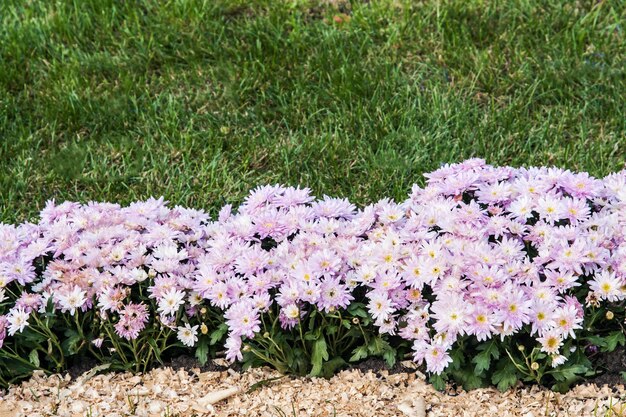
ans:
(201, 100)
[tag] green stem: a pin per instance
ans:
(118, 348)
(13, 355)
(364, 335)
(306, 350)
(43, 330)
(59, 365)
(134, 349)
(94, 353)
(265, 358)
(519, 367)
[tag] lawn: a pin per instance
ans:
(199, 101)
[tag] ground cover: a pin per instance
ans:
(183, 392)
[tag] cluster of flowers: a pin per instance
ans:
(93, 255)
(480, 251)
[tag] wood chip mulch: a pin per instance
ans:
(166, 392)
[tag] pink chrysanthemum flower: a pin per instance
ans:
(437, 358)
(243, 319)
(132, 320)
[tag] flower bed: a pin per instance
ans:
(488, 275)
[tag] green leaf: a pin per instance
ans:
(596, 340)
(263, 383)
(358, 309)
(93, 371)
(468, 378)
(202, 350)
(390, 357)
(489, 350)
(34, 357)
(51, 307)
(298, 362)
(70, 345)
(458, 358)
(358, 354)
(329, 368)
(331, 329)
(570, 372)
(312, 320)
(318, 356)
(505, 377)
(218, 334)
(377, 345)
(437, 382)
(155, 348)
(568, 375)
(613, 339)
(31, 336)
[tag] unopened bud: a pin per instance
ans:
(355, 320)
(534, 366)
(609, 315)
(521, 348)
(246, 348)
(204, 329)
(203, 310)
(266, 335)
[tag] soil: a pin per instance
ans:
(377, 366)
(188, 363)
(80, 367)
(614, 363)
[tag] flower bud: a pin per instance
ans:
(204, 329)
(246, 348)
(521, 348)
(534, 366)
(609, 315)
(355, 320)
(203, 310)
(266, 335)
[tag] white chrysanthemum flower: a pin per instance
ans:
(169, 251)
(18, 320)
(292, 311)
(188, 335)
(551, 342)
(195, 299)
(607, 285)
(557, 360)
(71, 300)
(138, 275)
(171, 301)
